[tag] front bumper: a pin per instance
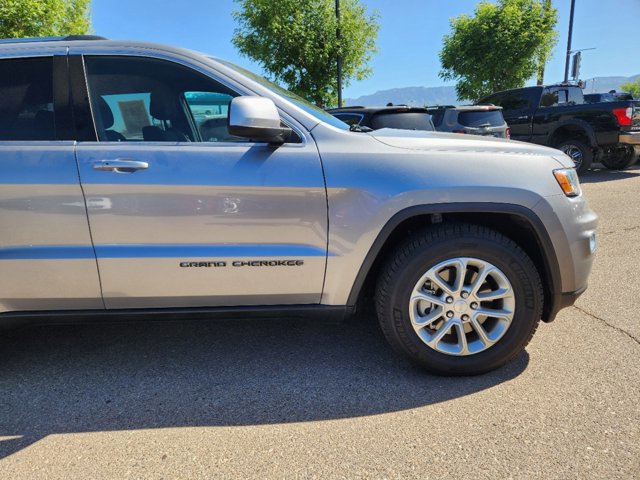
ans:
(563, 300)
(571, 225)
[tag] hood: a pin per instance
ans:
(455, 142)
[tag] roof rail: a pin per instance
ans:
(67, 38)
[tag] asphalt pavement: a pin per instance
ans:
(298, 399)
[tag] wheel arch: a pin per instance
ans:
(573, 129)
(516, 222)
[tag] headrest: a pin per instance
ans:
(105, 113)
(162, 104)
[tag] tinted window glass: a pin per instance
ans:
(437, 116)
(511, 101)
(26, 99)
(561, 96)
(549, 99)
(402, 120)
(144, 99)
(576, 97)
(491, 118)
(349, 118)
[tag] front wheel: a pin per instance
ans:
(580, 153)
(459, 299)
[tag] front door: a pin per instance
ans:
(181, 213)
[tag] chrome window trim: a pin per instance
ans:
(17, 50)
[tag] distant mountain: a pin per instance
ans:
(408, 95)
(447, 95)
(606, 84)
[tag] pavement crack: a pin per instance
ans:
(600, 319)
(628, 229)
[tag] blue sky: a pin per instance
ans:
(410, 36)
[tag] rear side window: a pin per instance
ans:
(518, 100)
(26, 99)
(403, 120)
(491, 118)
(561, 96)
(576, 97)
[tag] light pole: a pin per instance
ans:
(339, 59)
(566, 65)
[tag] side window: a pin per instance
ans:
(554, 97)
(513, 101)
(144, 99)
(26, 99)
(209, 111)
(576, 97)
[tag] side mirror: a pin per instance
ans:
(256, 118)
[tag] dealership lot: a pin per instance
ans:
(295, 399)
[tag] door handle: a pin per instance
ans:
(120, 165)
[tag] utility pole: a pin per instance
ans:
(339, 59)
(566, 65)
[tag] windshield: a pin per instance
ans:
(300, 102)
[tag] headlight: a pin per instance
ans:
(568, 180)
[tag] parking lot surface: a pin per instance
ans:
(298, 399)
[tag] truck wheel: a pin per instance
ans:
(459, 299)
(621, 159)
(580, 153)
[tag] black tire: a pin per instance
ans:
(580, 153)
(428, 248)
(621, 160)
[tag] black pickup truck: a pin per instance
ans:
(558, 116)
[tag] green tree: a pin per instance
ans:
(632, 87)
(296, 44)
(502, 46)
(43, 18)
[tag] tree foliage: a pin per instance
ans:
(296, 44)
(43, 18)
(500, 47)
(632, 87)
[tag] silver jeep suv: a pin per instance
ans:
(139, 178)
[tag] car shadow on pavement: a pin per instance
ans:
(600, 174)
(103, 377)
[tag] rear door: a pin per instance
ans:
(517, 107)
(46, 254)
(182, 213)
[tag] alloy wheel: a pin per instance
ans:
(462, 306)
